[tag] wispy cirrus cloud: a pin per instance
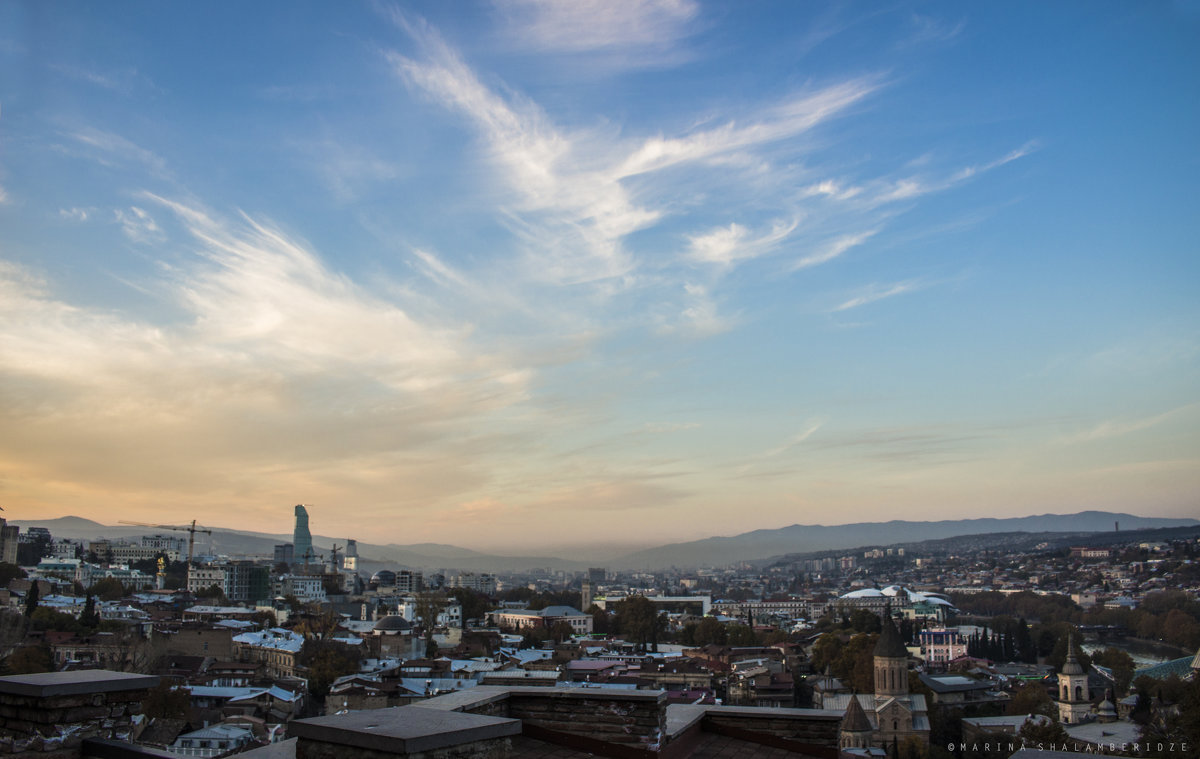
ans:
(834, 248)
(878, 292)
(573, 207)
(123, 81)
(645, 31)
(1114, 428)
(724, 245)
(137, 224)
(112, 149)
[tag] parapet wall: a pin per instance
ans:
(55, 711)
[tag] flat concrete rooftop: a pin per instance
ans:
(81, 682)
(403, 729)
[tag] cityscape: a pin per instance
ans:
(976, 645)
(645, 379)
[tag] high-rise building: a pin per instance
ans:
(9, 537)
(301, 537)
(285, 553)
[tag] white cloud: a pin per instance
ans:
(1113, 428)
(571, 208)
(78, 215)
(726, 245)
(879, 292)
(833, 249)
(112, 149)
(122, 81)
(137, 224)
(599, 25)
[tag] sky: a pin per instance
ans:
(566, 277)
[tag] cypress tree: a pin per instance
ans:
(31, 598)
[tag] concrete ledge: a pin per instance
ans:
(762, 712)
(101, 748)
(467, 700)
(403, 729)
(82, 682)
(681, 717)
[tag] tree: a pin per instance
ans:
(474, 605)
(741, 635)
(28, 660)
(166, 701)
(561, 631)
(640, 622)
(710, 630)
(214, 593)
(9, 572)
(89, 618)
(429, 605)
(601, 621)
(326, 661)
(1031, 698)
(31, 599)
(1043, 732)
(1120, 663)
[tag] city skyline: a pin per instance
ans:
(519, 274)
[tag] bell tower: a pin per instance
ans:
(1074, 699)
(891, 660)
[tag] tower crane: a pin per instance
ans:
(191, 530)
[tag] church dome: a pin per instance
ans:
(393, 623)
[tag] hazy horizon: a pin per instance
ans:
(522, 273)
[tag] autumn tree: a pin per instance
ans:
(429, 605)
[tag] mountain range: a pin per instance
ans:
(758, 545)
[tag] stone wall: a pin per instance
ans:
(808, 726)
(53, 712)
(624, 717)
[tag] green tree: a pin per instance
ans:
(561, 631)
(1043, 732)
(326, 661)
(9, 572)
(1120, 663)
(28, 660)
(640, 622)
(108, 589)
(214, 594)
(1031, 698)
(741, 635)
(31, 598)
(474, 605)
(89, 618)
(710, 630)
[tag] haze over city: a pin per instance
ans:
(522, 275)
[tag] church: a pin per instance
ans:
(890, 715)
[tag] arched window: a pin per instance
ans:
(895, 725)
(1078, 693)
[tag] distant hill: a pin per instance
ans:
(765, 544)
(756, 546)
(241, 542)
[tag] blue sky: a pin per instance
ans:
(544, 276)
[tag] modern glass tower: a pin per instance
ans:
(301, 537)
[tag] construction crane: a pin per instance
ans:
(191, 530)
